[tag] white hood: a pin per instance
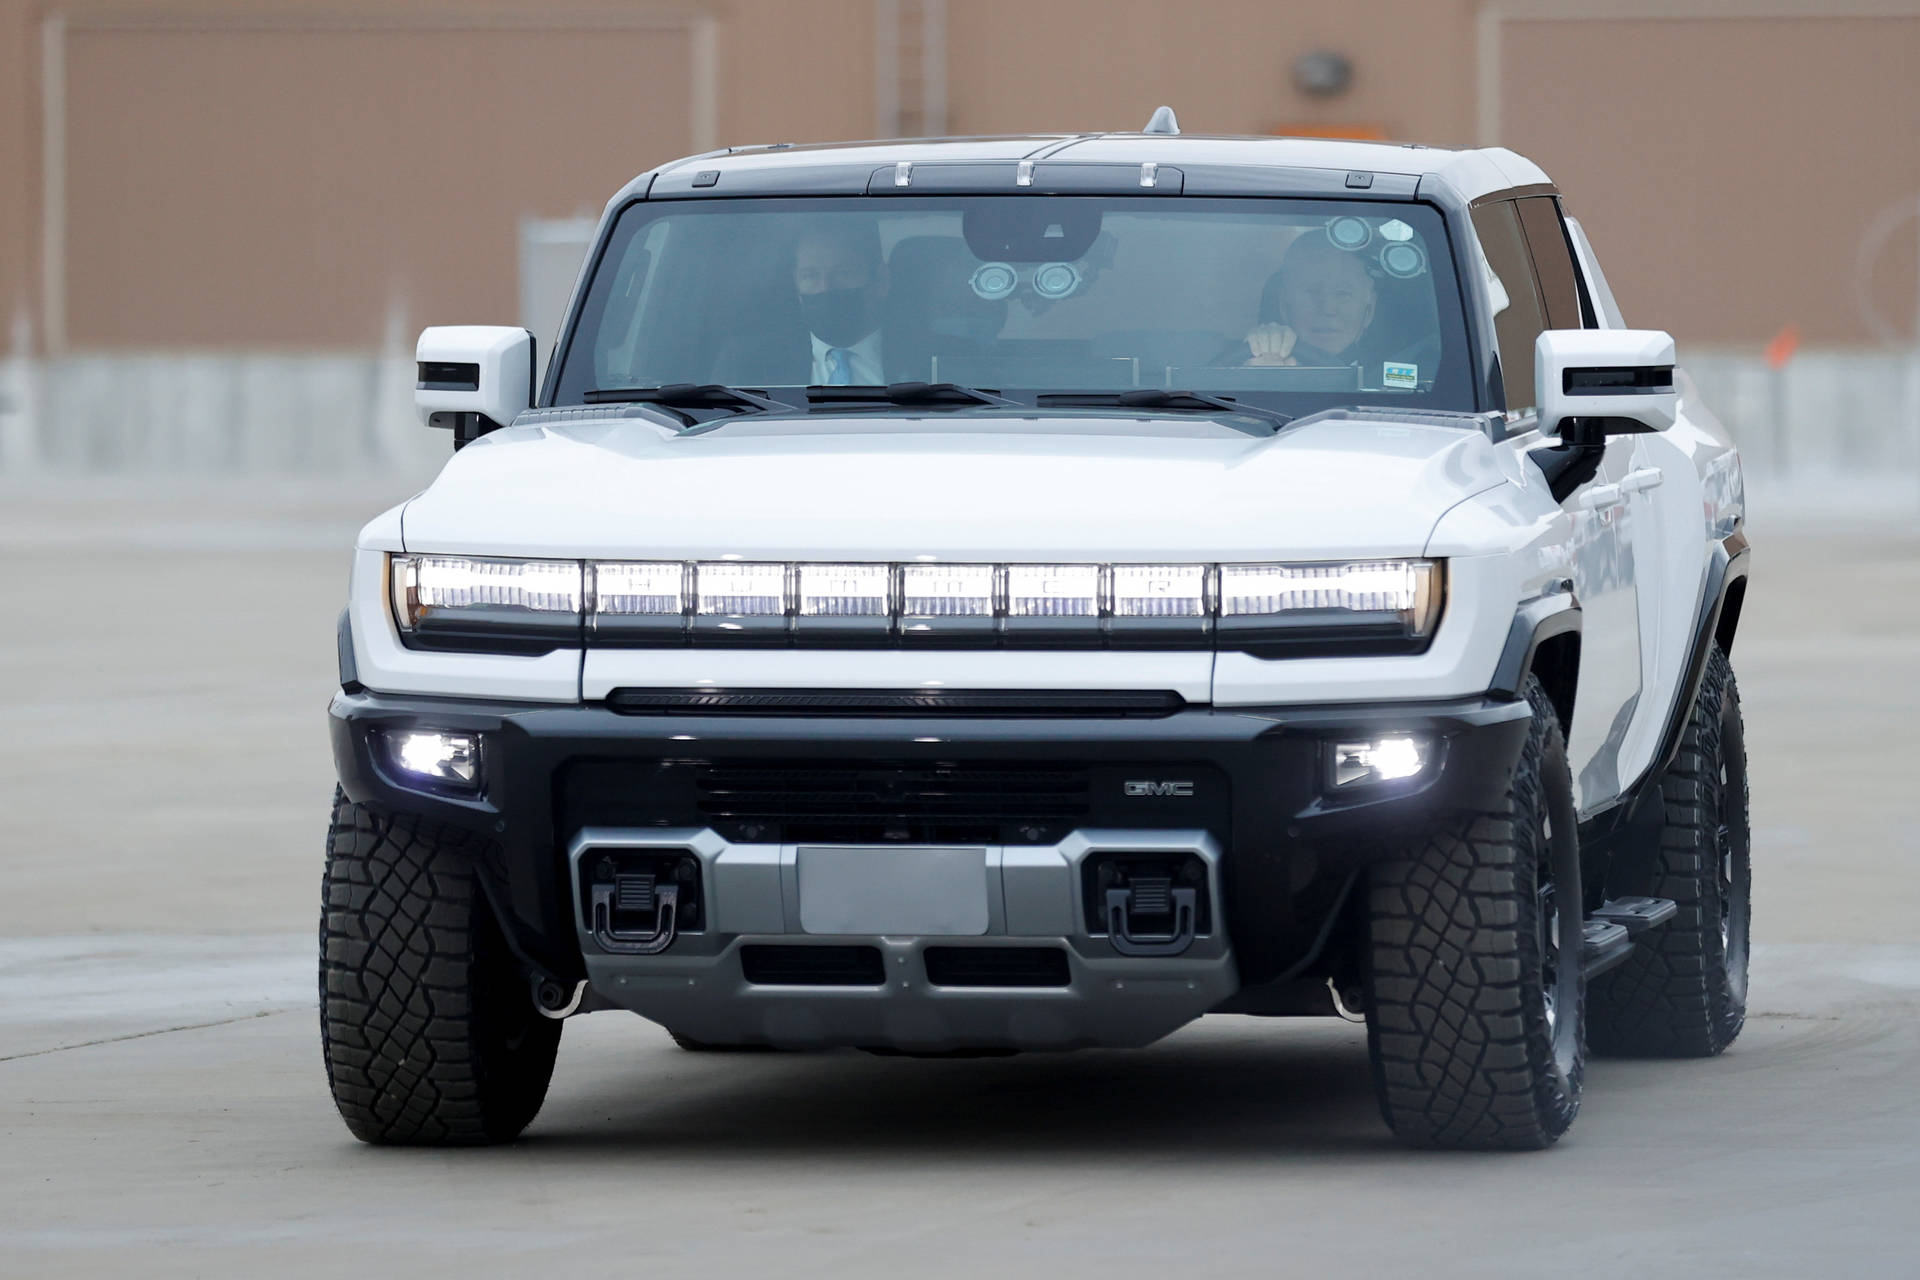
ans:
(968, 486)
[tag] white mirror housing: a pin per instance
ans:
(471, 369)
(1616, 380)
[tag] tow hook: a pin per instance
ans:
(1150, 896)
(635, 893)
(554, 999)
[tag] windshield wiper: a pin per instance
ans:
(689, 395)
(905, 393)
(1155, 398)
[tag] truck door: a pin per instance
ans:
(1664, 491)
(1542, 291)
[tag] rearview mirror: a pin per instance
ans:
(1601, 382)
(473, 378)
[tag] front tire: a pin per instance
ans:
(427, 1024)
(1475, 1000)
(1683, 992)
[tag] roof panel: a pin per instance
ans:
(1471, 172)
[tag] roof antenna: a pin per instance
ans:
(1162, 121)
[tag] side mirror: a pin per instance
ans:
(473, 378)
(1600, 382)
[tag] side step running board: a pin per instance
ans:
(1636, 915)
(1610, 931)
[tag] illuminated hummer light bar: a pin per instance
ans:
(947, 591)
(845, 591)
(643, 588)
(1053, 590)
(671, 602)
(1158, 590)
(752, 590)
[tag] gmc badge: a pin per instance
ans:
(1178, 788)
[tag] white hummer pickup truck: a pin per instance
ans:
(1010, 594)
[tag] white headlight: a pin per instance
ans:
(538, 591)
(452, 758)
(1381, 760)
(1384, 588)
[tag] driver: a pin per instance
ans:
(1323, 301)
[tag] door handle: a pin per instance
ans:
(1601, 497)
(1643, 480)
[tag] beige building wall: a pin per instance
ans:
(287, 186)
(254, 173)
(316, 173)
(1731, 171)
(19, 165)
(1225, 65)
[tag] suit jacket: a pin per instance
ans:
(783, 360)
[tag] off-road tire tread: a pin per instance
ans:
(1454, 947)
(1673, 997)
(409, 967)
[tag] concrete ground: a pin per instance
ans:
(164, 781)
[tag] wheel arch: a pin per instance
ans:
(1544, 641)
(1556, 661)
(1729, 622)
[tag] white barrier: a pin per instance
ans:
(233, 414)
(1827, 414)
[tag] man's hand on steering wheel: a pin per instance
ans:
(1271, 344)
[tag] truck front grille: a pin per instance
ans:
(836, 799)
(814, 800)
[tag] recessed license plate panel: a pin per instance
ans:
(866, 889)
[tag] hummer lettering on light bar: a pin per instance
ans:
(432, 594)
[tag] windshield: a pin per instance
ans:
(1292, 305)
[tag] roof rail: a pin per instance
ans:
(1162, 121)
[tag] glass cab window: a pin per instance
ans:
(1290, 304)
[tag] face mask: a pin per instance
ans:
(838, 317)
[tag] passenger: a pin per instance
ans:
(841, 278)
(1321, 299)
(840, 282)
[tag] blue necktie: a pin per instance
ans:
(839, 367)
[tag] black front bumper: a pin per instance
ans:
(1258, 780)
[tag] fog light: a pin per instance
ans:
(1382, 760)
(451, 758)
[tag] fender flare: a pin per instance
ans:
(343, 644)
(1535, 622)
(1727, 566)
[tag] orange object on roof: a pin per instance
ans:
(1782, 345)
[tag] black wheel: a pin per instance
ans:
(1683, 992)
(426, 1022)
(1475, 1018)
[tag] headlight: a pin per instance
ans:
(1277, 606)
(1388, 759)
(447, 759)
(461, 601)
(1270, 610)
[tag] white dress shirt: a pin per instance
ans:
(863, 361)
